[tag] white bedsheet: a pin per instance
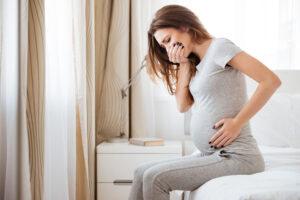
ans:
(279, 181)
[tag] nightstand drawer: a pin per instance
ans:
(113, 167)
(107, 191)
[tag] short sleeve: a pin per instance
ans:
(225, 51)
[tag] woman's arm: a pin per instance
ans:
(184, 99)
(268, 84)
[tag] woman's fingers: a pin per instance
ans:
(175, 53)
(178, 53)
(170, 53)
(181, 51)
(183, 59)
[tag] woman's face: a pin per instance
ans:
(166, 37)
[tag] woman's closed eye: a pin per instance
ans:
(168, 40)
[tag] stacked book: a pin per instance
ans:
(146, 141)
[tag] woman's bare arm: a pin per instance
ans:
(184, 99)
(267, 79)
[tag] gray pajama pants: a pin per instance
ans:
(154, 180)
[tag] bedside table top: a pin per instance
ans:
(169, 147)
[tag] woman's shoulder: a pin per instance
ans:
(224, 45)
(223, 40)
(224, 50)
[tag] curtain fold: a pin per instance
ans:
(24, 183)
(121, 44)
(84, 64)
(112, 61)
(35, 101)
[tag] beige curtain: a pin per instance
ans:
(69, 63)
(112, 71)
(121, 44)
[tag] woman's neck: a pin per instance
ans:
(200, 49)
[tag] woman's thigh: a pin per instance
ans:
(141, 168)
(190, 173)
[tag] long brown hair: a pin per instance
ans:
(177, 17)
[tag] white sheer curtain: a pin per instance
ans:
(8, 98)
(60, 122)
(269, 30)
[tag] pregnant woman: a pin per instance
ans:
(206, 74)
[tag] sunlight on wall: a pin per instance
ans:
(268, 30)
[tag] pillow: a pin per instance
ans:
(277, 122)
(295, 106)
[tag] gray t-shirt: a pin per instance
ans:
(219, 91)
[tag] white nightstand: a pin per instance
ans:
(116, 163)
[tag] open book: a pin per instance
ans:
(147, 141)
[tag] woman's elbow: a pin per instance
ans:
(185, 108)
(276, 82)
(181, 109)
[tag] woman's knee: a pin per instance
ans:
(140, 169)
(138, 172)
(259, 165)
(154, 178)
(151, 175)
(148, 176)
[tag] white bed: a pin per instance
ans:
(276, 128)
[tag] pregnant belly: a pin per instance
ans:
(201, 131)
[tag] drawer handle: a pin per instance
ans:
(122, 182)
